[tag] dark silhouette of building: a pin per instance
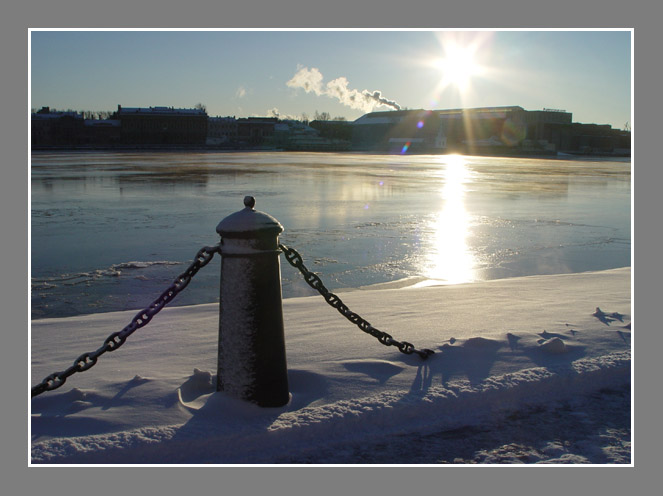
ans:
(333, 129)
(162, 126)
(255, 131)
(399, 130)
(221, 131)
(596, 139)
(292, 135)
(486, 131)
(102, 132)
(54, 128)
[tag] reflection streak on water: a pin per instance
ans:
(359, 219)
(449, 257)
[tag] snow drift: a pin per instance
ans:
(500, 346)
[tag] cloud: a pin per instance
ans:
(241, 92)
(310, 80)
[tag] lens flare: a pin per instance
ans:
(513, 132)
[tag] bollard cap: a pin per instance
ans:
(249, 223)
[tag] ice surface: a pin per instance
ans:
(357, 219)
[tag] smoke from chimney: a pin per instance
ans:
(311, 81)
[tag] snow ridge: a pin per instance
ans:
(253, 435)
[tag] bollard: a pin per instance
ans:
(251, 362)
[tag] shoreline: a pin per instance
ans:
(561, 155)
(406, 283)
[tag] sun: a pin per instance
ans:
(458, 66)
(459, 61)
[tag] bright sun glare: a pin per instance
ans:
(458, 66)
(459, 61)
(449, 256)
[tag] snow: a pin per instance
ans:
(249, 220)
(504, 349)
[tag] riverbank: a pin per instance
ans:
(502, 348)
(492, 152)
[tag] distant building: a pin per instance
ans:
(333, 129)
(595, 139)
(54, 128)
(221, 131)
(293, 135)
(484, 127)
(102, 132)
(255, 131)
(475, 130)
(399, 130)
(162, 126)
(485, 130)
(548, 128)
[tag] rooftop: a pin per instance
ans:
(160, 111)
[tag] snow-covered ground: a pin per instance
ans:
(530, 369)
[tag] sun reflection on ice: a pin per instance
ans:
(449, 258)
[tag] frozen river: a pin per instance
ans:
(110, 231)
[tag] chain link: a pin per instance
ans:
(313, 280)
(87, 360)
(142, 318)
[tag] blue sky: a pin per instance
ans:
(258, 73)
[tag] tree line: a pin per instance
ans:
(87, 114)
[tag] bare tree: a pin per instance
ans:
(322, 116)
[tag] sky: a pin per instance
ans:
(345, 73)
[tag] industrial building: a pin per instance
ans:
(398, 131)
(492, 129)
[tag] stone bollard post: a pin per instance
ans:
(252, 363)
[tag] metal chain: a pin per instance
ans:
(142, 318)
(295, 259)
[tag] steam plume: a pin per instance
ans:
(311, 81)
